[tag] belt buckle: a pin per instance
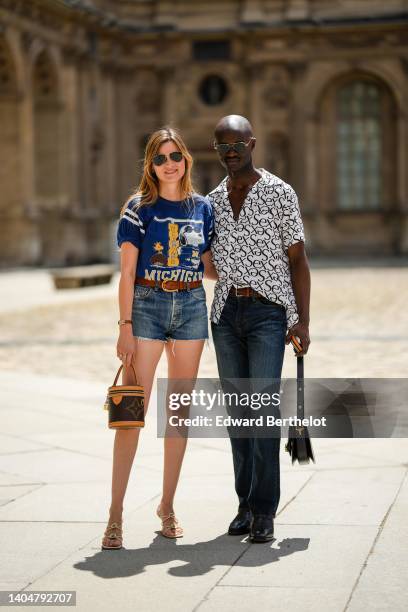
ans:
(166, 280)
(237, 289)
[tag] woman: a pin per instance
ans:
(164, 234)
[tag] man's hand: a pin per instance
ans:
(301, 330)
(300, 274)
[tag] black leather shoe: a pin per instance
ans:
(261, 528)
(241, 523)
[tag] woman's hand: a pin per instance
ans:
(125, 347)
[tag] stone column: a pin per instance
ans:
(402, 189)
(127, 150)
(303, 134)
(169, 102)
(25, 95)
(83, 136)
(90, 135)
(30, 236)
(70, 150)
(256, 111)
(108, 161)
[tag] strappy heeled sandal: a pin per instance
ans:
(113, 532)
(172, 529)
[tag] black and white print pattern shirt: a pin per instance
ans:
(252, 251)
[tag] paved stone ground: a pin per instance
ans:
(341, 535)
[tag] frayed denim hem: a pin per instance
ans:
(173, 340)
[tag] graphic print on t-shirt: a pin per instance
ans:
(184, 239)
(170, 236)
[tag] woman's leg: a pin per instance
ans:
(146, 357)
(183, 358)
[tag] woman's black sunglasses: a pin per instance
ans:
(238, 147)
(161, 159)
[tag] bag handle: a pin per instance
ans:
(300, 388)
(119, 371)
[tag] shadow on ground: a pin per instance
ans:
(199, 558)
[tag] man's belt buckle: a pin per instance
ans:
(164, 286)
(237, 289)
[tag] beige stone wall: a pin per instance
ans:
(210, 14)
(79, 95)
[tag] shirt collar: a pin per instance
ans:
(267, 178)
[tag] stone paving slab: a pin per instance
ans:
(345, 497)
(13, 480)
(383, 583)
(23, 421)
(305, 556)
(331, 459)
(379, 601)
(12, 493)
(54, 466)
(385, 451)
(278, 599)
(13, 444)
(78, 501)
(96, 441)
(31, 549)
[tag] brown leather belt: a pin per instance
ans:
(249, 292)
(169, 285)
(245, 292)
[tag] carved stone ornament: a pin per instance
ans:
(359, 39)
(277, 90)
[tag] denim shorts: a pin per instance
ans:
(175, 315)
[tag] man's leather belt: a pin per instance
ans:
(247, 292)
(169, 285)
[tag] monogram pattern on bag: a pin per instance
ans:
(134, 405)
(128, 404)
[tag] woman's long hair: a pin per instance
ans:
(147, 191)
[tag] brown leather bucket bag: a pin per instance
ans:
(125, 404)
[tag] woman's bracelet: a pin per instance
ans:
(124, 321)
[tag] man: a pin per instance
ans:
(261, 298)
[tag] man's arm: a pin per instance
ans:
(300, 273)
(209, 268)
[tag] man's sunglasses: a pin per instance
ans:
(238, 147)
(161, 159)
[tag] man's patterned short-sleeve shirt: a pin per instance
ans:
(252, 251)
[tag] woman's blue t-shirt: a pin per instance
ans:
(171, 237)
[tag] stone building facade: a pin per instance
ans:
(83, 82)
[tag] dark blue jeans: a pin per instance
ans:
(249, 342)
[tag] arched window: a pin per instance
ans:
(361, 109)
